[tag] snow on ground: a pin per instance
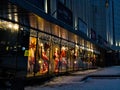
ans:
(93, 84)
(74, 83)
(114, 70)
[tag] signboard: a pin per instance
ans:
(82, 26)
(64, 14)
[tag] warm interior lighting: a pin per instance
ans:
(41, 44)
(10, 16)
(63, 48)
(40, 61)
(16, 18)
(75, 62)
(56, 49)
(16, 26)
(10, 25)
(13, 26)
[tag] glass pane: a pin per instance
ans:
(11, 43)
(31, 56)
(47, 27)
(63, 56)
(33, 21)
(43, 56)
(55, 30)
(71, 37)
(56, 53)
(64, 33)
(71, 51)
(77, 57)
(40, 23)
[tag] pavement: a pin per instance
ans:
(43, 79)
(108, 72)
(71, 77)
(93, 79)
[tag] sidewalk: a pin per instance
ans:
(70, 78)
(78, 75)
(108, 73)
(74, 80)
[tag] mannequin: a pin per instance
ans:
(45, 61)
(56, 59)
(31, 57)
(63, 56)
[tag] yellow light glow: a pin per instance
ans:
(41, 44)
(10, 25)
(16, 18)
(56, 49)
(76, 45)
(40, 62)
(63, 48)
(10, 16)
(75, 62)
(16, 26)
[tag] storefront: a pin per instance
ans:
(55, 49)
(39, 47)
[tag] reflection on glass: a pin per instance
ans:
(63, 58)
(44, 57)
(56, 59)
(31, 57)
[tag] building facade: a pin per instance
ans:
(45, 37)
(115, 9)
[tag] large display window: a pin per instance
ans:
(43, 52)
(63, 56)
(71, 50)
(31, 56)
(56, 53)
(76, 57)
(39, 53)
